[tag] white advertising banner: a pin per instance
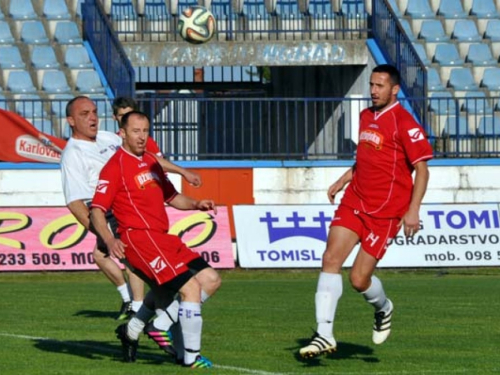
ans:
(294, 236)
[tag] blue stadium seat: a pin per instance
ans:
(489, 126)
(77, 57)
(10, 58)
(433, 31)
(44, 125)
(226, 19)
(484, 9)
(466, 31)
(22, 10)
(5, 33)
(407, 29)
(446, 54)
(421, 53)
(108, 124)
(476, 102)
(354, 8)
(44, 57)
(4, 103)
(395, 8)
(123, 10)
(461, 79)
(480, 55)
(156, 10)
(417, 9)
(55, 82)
(30, 106)
(20, 82)
(258, 19)
(58, 104)
(491, 79)
(456, 126)
(88, 81)
(33, 32)
(158, 21)
(442, 103)
(434, 80)
(56, 10)
(322, 18)
(451, 9)
(2, 16)
(492, 31)
(67, 32)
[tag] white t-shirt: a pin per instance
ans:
(81, 164)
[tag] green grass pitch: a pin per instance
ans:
(445, 322)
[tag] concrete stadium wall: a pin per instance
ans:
(280, 185)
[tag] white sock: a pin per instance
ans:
(204, 296)
(375, 295)
(135, 327)
(191, 324)
(136, 305)
(123, 290)
(162, 322)
(328, 292)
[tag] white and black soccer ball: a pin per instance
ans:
(196, 25)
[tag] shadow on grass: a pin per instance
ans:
(344, 351)
(96, 314)
(98, 350)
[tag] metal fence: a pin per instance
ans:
(98, 31)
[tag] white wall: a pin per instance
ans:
(464, 184)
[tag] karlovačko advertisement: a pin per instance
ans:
(294, 236)
(50, 238)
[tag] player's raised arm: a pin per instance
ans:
(192, 177)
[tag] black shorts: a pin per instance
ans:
(164, 294)
(113, 225)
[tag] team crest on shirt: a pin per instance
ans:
(146, 178)
(372, 137)
(102, 186)
(416, 134)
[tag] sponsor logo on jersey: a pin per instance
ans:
(373, 126)
(157, 264)
(416, 134)
(102, 186)
(146, 178)
(372, 137)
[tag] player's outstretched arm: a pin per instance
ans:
(99, 223)
(183, 202)
(191, 177)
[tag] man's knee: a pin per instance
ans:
(191, 291)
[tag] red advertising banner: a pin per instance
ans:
(51, 239)
(22, 142)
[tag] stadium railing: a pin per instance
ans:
(194, 126)
(399, 51)
(98, 31)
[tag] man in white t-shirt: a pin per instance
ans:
(82, 160)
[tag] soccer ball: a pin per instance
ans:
(196, 25)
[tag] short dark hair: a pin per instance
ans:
(69, 105)
(124, 102)
(391, 70)
(127, 116)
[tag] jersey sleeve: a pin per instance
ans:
(107, 186)
(415, 142)
(152, 146)
(74, 178)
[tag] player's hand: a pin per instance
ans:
(411, 223)
(333, 190)
(205, 205)
(116, 248)
(193, 178)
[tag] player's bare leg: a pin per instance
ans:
(114, 274)
(363, 280)
(137, 288)
(341, 242)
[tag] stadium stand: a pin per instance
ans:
(446, 54)
(10, 58)
(461, 79)
(491, 79)
(433, 31)
(465, 30)
(434, 80)
(484, 9)
(20, 82)
(156, 19)
(30, 106)
(88, 82)
(66, 32)
(480, 54)
(77, 57)
(451, 9)
(54, 82)
(422, 53)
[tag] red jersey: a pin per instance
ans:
(390, 143)
(135, 189)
